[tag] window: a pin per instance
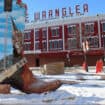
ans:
(36, 45)
(55, 32)
(72, 43)
(56, 45)
(27, 36)
(72, 30)
(36, 34)
(44, 33)
(44, 45)
(103, 27)
(89, 28)
(27, 46)
(60, 44)
(50, 45)
(93, 42)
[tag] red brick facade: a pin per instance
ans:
(61, 40)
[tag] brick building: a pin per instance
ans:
(61, 39)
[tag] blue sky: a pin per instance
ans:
(95, 6)
(6, 28)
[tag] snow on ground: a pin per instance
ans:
(88, 92)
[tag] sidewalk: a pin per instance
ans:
(75, 69)
(73, 73)
(91, 69)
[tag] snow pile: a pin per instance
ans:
(88, 92)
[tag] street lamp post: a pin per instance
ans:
(85, 49)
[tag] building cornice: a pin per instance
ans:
(60, 21)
